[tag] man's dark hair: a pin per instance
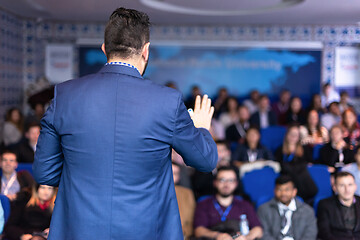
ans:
(342, 174)
(31, 125)
(227, 168)
(126, 33)
(283, 179)
(7, 151)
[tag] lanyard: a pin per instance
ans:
(9, 184)
(122, 64)
(222, 214)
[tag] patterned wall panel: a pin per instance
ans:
(11, 62)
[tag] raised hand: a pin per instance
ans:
(203, 112)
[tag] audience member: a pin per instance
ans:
(190, 102)
(344, 101)
(312, 133)
(332, 117)
(264, 117)
(13, 182)
(36, 114)
(171, 84)
(338, 216)
(230, 116)
(335, 154)
(252, 103)
(217, 130)
(285, 217)
(296, 114)
(237, 131)
(281, 107)
(220, 101)
(25, 149)
(251, 150)
(354, 169)
(329, 95)
(315, 104)
(351, 128)
(31, 214)
(186, 202)
(13, 127)
(217, 217)
(203, 182)
(294, 159)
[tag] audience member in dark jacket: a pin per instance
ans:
(264, 117)
(25, 149)
(294, 159)
(31, 214)
(295, 114)
(336, 153)
(237, 131)
(338, 216)
(251, 150)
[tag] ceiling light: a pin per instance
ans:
(170, 7)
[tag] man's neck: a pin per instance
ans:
(224, 201)
(347, 202)
(132, 61)
(8, 175)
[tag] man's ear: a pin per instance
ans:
(145, 51)
(103, 48)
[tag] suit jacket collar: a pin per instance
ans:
(120, 70)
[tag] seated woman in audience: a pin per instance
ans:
(251, 150)
(336, 153)
(31, 214)
(13, 127)
(294, 158)
(316, 105)
(231, 115)
(295, 114)
(351, 128)
(312, 133)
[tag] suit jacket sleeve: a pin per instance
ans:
(48, 160)
(195, 145)
(266, 222)
(311, 230)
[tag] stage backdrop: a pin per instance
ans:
(239, 69)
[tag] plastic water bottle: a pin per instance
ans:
(244, 225)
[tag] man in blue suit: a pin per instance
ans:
(106, 141)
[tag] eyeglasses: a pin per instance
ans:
(224, 180)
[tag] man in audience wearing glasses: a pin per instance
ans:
(225, 216)
(286, 217)
(338, 216)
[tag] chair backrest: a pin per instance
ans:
(272, 137)
(5, 202)
(321, 177)
(316, 151)
(259, 184)
(25, 166)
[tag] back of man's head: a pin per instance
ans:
(126, 33)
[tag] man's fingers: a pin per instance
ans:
(204, 102)
(208, 105)
(197, 103)
(212, 109)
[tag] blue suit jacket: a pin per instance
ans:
(106, 140)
